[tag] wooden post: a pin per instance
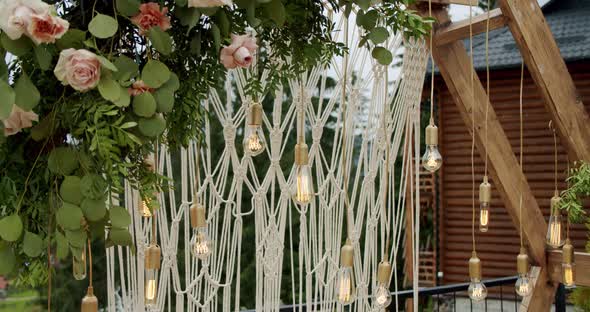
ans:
(541, 55)
(456, 69)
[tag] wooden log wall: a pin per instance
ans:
(499, 246)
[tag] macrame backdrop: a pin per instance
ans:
(225, 181)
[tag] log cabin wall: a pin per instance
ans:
(499, 246)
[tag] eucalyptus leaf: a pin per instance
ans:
(382, 55)
(7, 99)
(124, 98)
(69, 216)
(72, 39)
(155, 73)
(62, 249)
(164, 100)
(94, 209)
(144, 105)
(152, 127)
(109, 89)
(276, 10)
(188, 17)
(120, 217)
(18, 47)
(43, 56)
(128, 7)
(8, 260)
(103, 26)
(161, 41)
(77, 238)
(126, 68)
(27, 95)
(120, 237)
(93, 186)
(106, 63)
(70, 190)
(223, 22)
(378, 35)
(63, 160)
(32, 244)
(11, 228)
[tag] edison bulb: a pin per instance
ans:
(151, 287)
(484, 216)
(79, 265)
(303, 185)
(523, 285)
(432, 160)
(567, 270)
(254, 142)
(345, 290)
(145, 209)
(382, 297)
(477, 290)
(555, 231)
(201, 246)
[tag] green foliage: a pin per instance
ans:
(578, 187)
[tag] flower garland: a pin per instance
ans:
(91, 85)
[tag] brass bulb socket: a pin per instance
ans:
(255, 116)
(89, 302)
(347, 256)
(485, 191)
(431, 135)
(474, 267)
(522, 262)
(555, 200)
(568, 252)
(301, 154)
(198, 216)
(384, 272)
(152, 257)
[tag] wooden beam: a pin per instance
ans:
(455, 66)
(460, 30)
(543, 59)
(582, 259)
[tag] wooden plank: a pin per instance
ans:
(456, 69)
(582, 260)
(543, 59)
(460, 30)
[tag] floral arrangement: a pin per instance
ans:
(90, 87)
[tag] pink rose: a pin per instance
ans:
(138, 88)
(78, 68)
(149, 16)
(239, 53)
(18, 120)
(45, 28)
(15, 15)
(208, 3)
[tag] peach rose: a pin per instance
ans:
(18, 120)
(149, 16)
(15, 15)
(138, 88)
(78, 68)
(45, 28)
(208, 3)
(239, 53)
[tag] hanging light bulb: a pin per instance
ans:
(523, 285)
(345, 290)
(568, 265)
(555, 231)
(485, 197)
(382, 294)
(152, 266)
(79, 265)
(200, 243)
(254, 142)
(89, 302)
(432, 160)
(477, 290)
(302, 189)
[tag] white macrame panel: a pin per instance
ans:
(214, 284)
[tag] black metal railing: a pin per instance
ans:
(501, 290)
